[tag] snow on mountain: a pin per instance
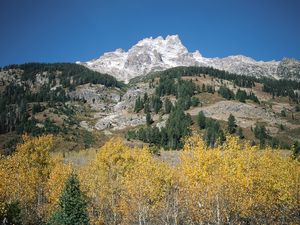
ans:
(155, 54)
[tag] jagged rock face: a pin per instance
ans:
(146, 56)
(98, 96)
(289, 68)
(158, 54)
(245, 66)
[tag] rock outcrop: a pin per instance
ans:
(155, 54)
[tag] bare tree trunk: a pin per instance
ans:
(218, 210)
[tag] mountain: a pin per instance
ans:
(85, 107)
(289, 68)
(156, 54)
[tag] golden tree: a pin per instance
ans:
(145, 187)
(102, 181)
(28, 177)
(236, 183)
(125, 185)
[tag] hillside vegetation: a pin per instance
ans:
(195, 90)
(35, 98)
(189, 145)
(233, 183)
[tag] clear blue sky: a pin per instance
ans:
(71, 30)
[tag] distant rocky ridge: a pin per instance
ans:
(155, 54)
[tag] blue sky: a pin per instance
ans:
(71, 30)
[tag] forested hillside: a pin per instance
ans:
(192, 87)
(276, 87)
(29, 90)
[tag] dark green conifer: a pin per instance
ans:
(72, 205)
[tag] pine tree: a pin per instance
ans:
(240, 133)
(241, 95)
(195, 101)
(178, 126)
(231, 125)
(149, 120)
(156, 103)
(145, 97)
(168, 106)
(261, 134)
(138, 105)
(296, 150)
(72, 205)
(201, 120)
(146, 107)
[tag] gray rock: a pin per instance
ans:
(157, 54)
(98, 96)
(86, 126)
(119, 121)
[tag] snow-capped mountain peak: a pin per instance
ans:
(154, 54)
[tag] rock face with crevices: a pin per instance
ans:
(99, 97)
(119, 121)
(289, 69)
(121, 115)
(156, 54)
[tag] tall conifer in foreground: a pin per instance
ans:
(72, 205)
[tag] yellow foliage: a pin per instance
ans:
(25, 177)
(55, 184)
(145, 186)
(101, 181)
(121, 182)
(235, 182)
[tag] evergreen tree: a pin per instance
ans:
(213, 132)
(296, 150)
(149, 120)
(12, 214)
(72, 205)
(138, 105)
(226, 93)
(240, 133)
(177, 127)
(241, 95)
(195, 101)
(184, 102)
(201, 120)
(156, 103)
(203, 87)
(261, 134)
(146, 107)
(168, 106)
(145, 97)
(281, 127)
(231, 124)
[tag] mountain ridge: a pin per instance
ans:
(156, 54)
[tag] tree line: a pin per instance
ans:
(70, 74)
(282, 87)
(240, 95)
(238, 80)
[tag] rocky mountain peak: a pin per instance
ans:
(155, 54)
(171, 42)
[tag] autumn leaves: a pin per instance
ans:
(233, 183)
